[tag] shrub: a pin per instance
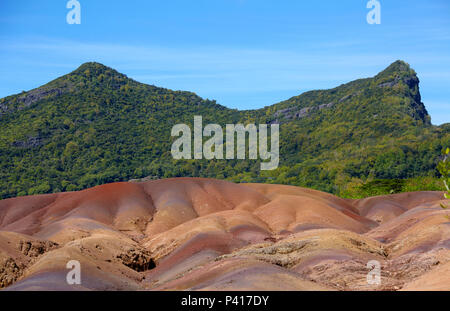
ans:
(444, 169)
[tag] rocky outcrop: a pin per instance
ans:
(293, 113)
(22, 101)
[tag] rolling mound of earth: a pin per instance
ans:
(205, 234)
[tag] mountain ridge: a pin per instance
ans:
(96, 125)
(95, 68)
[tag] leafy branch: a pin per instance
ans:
(444, 169)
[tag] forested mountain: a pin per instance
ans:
(95, 125)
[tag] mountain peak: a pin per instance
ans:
(398, 65)
(398, 68)
(96, 69)
(92, 65)
(401, 73)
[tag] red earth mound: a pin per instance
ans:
(205, 234)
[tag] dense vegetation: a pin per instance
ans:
(95, 125)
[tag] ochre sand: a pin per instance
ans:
(205, 234)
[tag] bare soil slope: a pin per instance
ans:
(205, 234)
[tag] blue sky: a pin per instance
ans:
(243, 53)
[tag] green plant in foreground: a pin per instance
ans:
(444, 169)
